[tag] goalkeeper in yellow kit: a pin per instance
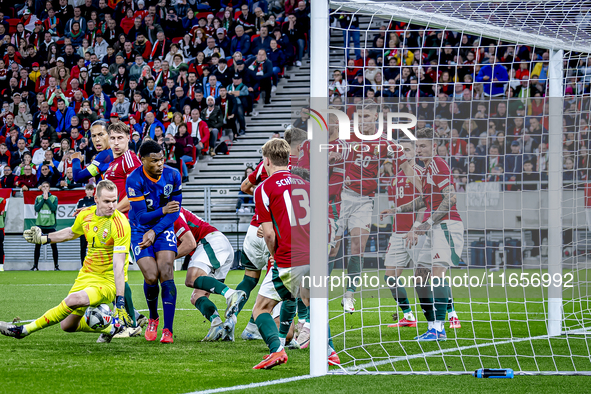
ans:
(101, 279)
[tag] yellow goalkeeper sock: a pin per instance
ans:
(86, 328)
(49, 318)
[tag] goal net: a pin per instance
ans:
(505, 86)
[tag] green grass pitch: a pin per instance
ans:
(52, 361)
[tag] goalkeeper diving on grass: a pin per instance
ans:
(101, 279)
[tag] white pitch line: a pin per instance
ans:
(436, 352)
(253, 385)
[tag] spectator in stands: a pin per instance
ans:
(212, 115)
(184, 140)
(4, 155)
(513, 163)
(135, 142)
(18, 155)
(46, 175)
(68, 181)
(39, 155)
(240, 42)
(247, 199)
(296, 34)
(241, 94)
(8, 180)
(26, 181)
(530, 177)
(494, 77)
(46, 208)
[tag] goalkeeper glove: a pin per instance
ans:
(121, 315)
(35, 236)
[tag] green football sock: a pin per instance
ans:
(426, 300)
(353, 271)
(330, 338)
(207, 308)
(303, 310)
(129, 304)
(268, 330)
(251, 319)
(288, 312)
(399, 293)
(331, 263)
(450, 301)
(211, 285)
(441, 297)
(247, 285)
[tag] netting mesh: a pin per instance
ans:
(477, 73)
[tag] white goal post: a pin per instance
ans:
(560, 27)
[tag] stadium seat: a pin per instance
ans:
(12, 25)
(191, 164)
(202, 15)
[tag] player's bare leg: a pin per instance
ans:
(359, 238)
(63, 314)
(262, 314)
(150, 272)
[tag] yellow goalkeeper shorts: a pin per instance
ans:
(99, 290)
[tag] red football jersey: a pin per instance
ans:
(402, 191)
(336, 168)
(587, 195)
(256, 177)
(119, 169)
(188, 221)
(437, 177)
(363, 160)
(284, 200)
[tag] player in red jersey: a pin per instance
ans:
(444, 229)
(362, 162)
(336, 171)
(211, 258)
(401, 191)
(255, 254)
(124, 162)
(283, 208)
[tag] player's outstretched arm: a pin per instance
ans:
(99, 165)
(35, 236)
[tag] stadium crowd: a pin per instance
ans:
(487, 100)
(183, 72)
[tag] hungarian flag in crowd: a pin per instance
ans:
(66, 206)
(5, 194)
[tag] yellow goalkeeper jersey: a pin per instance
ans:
(105, 235)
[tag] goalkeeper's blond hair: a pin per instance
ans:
(105, 184)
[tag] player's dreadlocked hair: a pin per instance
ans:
(295, 136)
(118, 127)
(150, 146)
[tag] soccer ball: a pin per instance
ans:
(98, 317)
